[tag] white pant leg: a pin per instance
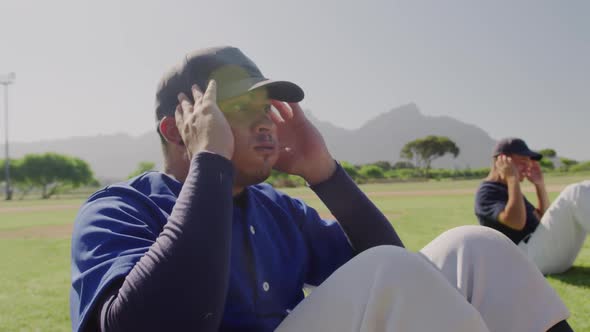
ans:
(558, 239)
(385, 289)
(497, 279)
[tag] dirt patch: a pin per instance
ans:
(553, 188)
(391, 216)
(437, 192)
(374, 194)
(35, 208)
(422, 192)
(38, 232)
(65, 231)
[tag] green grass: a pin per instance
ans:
(34, 281)
(36, 202)
(420, 219)
(35, 272)
(20, 220)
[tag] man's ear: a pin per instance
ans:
(169, 131)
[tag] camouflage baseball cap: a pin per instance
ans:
(233, 71)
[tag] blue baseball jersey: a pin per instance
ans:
(490, 200)
(278, 245)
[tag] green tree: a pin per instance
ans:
(548, 153)
(16, 179)
(142, 167)
(50, 171)
(14, 169)
(20, 181)
(566, 163)
(425, 150)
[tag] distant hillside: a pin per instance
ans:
(113, 157)
(383, 137)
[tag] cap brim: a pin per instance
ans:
(281, 90)
(531, 154)
(535, 156)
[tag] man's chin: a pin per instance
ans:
(253, 178)
(262, 175)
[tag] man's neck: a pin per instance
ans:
(175, 173)
(237, 190)
(494, 177)
(176, 166)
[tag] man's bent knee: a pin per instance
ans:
(393, 259)
(472, 237)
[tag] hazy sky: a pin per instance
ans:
(513, 68)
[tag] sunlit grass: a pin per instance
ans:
(35, 272)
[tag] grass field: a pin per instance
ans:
(34, 246)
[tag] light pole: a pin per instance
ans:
(6, 80)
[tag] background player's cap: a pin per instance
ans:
(512, 145)
(233, 71)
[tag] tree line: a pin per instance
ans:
(51, 173)
(416, 164)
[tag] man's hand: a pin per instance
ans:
(506, 167)
(534, 174)
(303, 150)
(202, 125)
(514, 214)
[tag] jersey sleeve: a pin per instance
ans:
(489, 203)
(112, 231)
(123, 235)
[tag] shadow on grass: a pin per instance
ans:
(577, 276)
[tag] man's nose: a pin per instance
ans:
(264, 125)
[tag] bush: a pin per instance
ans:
(384, 165)
(372, 172)
(403, 165)
(467, 173)
(581, 167)
(291, 181)
(283, 180)
(546, 164)
(375, 172)
(566, 164)
(475, 173)
(438, 174)
(351, 170)
(142, 167)
(407, 173)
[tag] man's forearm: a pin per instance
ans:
(514, 215)
(181, 282)
(364, 224)
(543, 199)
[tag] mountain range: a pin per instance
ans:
(113, 157)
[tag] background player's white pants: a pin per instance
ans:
(469, 279)
(556, 242)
